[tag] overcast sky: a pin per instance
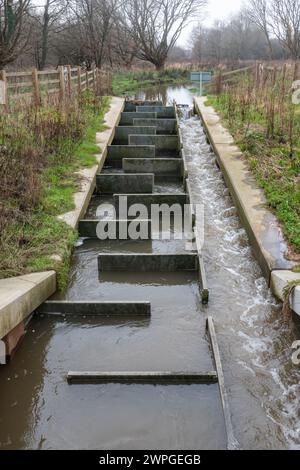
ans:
(215, 10)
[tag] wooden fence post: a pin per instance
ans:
(99, 84)
(62, 88)
(95, 80)
(36, 88)
(87, 79)
(69, 72)
(79, 80)
(5, 99)
(295, 72)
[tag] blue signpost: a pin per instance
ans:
(202, 77)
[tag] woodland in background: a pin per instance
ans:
(135, 33)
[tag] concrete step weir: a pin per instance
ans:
(128, 117)
(93, 228)
(166, 167)
(119, 183)
(162, 126)
(116, 153)
(163, 112)
(148, 262)
(163, 143)
(154, 378)
(148, 200)
(93, 308)
(122, 132)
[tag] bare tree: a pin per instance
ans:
(285, 20)
(155, 25)
(258, 13)
(13, 41)
(95, 19)
(49, 22)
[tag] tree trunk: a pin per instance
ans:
(160, 66)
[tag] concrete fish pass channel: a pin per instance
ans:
(132, 314)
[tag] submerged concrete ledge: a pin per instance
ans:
(123, 309)
(20, 296)
(154, 378)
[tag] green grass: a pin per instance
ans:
(42, 242)
(125, 83)
(270, 160)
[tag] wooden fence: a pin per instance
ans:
(64, 82)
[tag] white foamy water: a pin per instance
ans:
(263, 384)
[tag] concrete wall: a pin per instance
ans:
(20, 296)
(92, 228)
(161, 142)
(122, 132)
(130, 106)
(149, 199)
(163, 126)
(122, 309)
(148, 262)
(161, 111)
(118, 183)
(118, 152)
(159, 166)
(128, 117)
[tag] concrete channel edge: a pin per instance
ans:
(261, 225)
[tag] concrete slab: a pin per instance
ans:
(121, 183)
(122, 132)
(166, 378)
(20, 296)
(130, 106)
(161, 111)
(163, 126)
(118, 152)
(261, 225)
(148, 262)
(168, 167)
(282, 279)
(154, 199)
(128, 117)
(123, 309)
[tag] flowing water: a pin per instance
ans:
(39, 410)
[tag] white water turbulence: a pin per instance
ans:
(262, 383)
